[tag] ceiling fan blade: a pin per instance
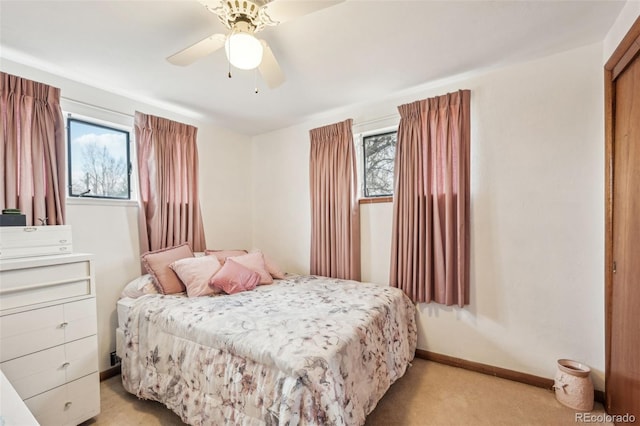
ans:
(213, 6)
(286, 10)
(198, 50)
(269, 68)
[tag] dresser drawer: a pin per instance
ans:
(82, 357)
(32, 331)
(36, 373)
(80, 318)
(29, 286)
(69, 404)
(22, 241)
(33, 374)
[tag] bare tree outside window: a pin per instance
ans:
(98, 161)
(379, 157)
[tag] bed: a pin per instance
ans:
(305, 350)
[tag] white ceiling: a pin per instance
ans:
(350, 53)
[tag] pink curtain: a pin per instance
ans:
(32, 150)
(430, 244)
(335, 216)
(168, 175)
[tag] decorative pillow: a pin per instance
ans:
(271, 267)
(157, 264)
(139, 287)
(255, 262)
(223, 254)
(234, 278)
(195, 273)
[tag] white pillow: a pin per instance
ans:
(139, 287)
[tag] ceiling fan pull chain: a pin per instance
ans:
(255, 80)
(229, 58)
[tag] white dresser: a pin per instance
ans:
(48, 342)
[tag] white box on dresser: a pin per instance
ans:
(23, 241)
(48, 342)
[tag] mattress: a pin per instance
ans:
(122, 309)
(307, 350)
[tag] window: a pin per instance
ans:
(379, 152)
(99, 163)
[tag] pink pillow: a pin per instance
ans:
(195, 273)
(223, 254)
(157, 264)
(234, 278)
(271, 267)
(255, 262)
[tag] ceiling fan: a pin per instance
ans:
(244, 18)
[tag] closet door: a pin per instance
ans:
(623, 251)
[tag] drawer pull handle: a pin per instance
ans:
(64, 324)
(63, 249)
(67, 404)
(30, 229)
(66, 364)
(63, 241)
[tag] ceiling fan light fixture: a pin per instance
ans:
(243, 50)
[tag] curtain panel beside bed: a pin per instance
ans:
(335, 215)
(32, 150)
(168, 175)
(430, 242)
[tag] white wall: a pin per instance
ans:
(536, 215)
(109, 230)
(628, 15)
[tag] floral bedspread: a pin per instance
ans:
(304, 351)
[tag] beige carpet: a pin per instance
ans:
(428, 394)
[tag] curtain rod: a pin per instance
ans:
(112, 111)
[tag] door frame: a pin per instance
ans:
(626, 52)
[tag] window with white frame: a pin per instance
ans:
(378, 157)
(99, 163)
